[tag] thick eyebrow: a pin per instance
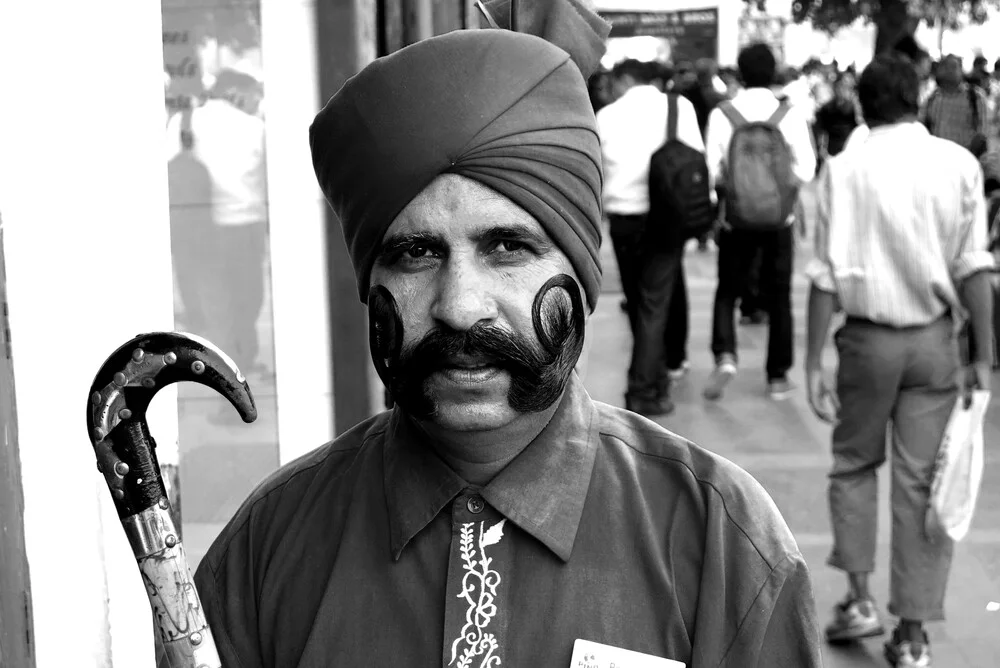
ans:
(513, 232)
(395, 244)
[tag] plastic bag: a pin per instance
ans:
(958, 470)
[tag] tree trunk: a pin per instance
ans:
(892, 23)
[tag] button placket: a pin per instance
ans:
(475, 504)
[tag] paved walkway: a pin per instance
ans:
(787, 449)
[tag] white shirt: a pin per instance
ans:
(757, 104)
(901, 221)
(631, 129)
(857, 137)
(230, 143)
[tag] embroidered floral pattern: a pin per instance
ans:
(479, 589)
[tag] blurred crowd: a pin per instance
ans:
(901, 164)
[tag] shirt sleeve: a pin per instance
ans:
(781, 627)
(969, 244)
(717, 137)
(819, 269)
(796, 131)
(225, 587)
(982, 111)
(687, 125)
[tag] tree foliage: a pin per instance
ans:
(831, 15)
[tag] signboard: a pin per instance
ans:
(767, 29)
(692, 33)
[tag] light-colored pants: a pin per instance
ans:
(906, 377)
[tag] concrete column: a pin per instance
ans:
(83, 193)
(299, 279)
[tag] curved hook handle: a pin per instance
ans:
(121, 393)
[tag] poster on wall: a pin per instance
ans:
(692, 33)
(764, 28)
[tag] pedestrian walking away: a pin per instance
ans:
(759, 194)
(901, 249)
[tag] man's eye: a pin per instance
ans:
(511, 246)
(417, 251)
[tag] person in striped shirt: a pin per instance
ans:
(957, 110)
(901, 249)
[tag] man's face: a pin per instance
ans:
(951, 71)
(459, 260)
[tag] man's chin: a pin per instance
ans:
(470, 416)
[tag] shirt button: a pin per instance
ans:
(475, 504)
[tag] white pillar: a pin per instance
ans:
(83, 194)
(299, 281)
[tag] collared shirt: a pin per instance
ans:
(757, 104)
(901, 221)
(631, 129)
(371, 551)
(949, 114)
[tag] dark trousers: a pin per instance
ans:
(626, 239)
(737, 249)
(750, 297)
(661, 332)
(906, 378)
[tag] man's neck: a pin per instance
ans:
(478, 456)
(949, 87)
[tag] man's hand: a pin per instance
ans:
(976, 376)
(822, 398)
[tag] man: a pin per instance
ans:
(901, 247)
(497, 514)
(979, 76)
(956, 110)
(737, 247)
(631, 129)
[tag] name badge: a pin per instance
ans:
(588, 654)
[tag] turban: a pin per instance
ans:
(507, 109)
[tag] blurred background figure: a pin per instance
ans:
(219, 214)
(836, 119)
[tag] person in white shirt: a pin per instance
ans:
(631, 129)
(901, 249)
(219, 214)
(738, 247)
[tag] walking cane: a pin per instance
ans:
(126, 455)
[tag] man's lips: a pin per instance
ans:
(469, 370)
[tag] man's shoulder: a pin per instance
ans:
(329, 458)
(727, 492)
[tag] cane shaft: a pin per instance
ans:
(177, 613)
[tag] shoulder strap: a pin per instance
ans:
(779, 113)
(671, 116)
(732, 113)
(974, 103)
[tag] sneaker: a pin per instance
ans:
(854, 619)
(780, 388)
(724, 372)
(907, 653)
(679, 372)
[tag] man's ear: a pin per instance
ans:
(584, 362)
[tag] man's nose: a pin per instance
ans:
(465, 295)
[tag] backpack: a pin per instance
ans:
(761, 188)
(678, 178)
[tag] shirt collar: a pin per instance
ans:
(911, 127)
(543, 490)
